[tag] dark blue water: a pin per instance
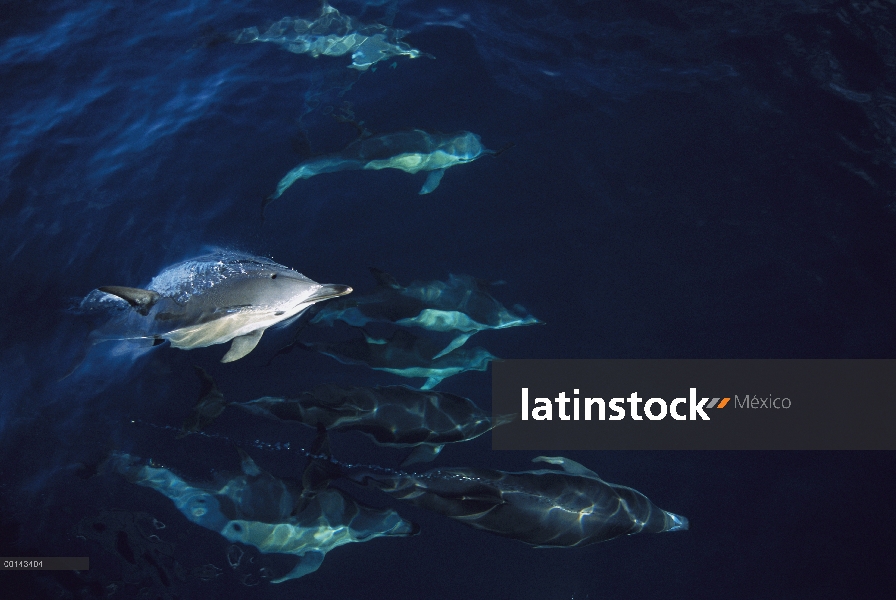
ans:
(687, 179)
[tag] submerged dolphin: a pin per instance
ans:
(411, 151)
(406, 355)
(209, 407)
(273, 515)
(462, 304)
(393, 415)
(332, 34)
(209, 300)
(545, 508)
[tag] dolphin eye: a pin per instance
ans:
(273, 276)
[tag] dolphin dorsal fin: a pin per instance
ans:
(247, 464)
(384, 279)
(568, 465)
(140, 300)
(242, 346)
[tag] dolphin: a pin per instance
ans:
(209, 407)
(411, 151)
(406, 355)
(332, 34)
(463, 305)
(545, 508)
(209, 300)
(275, 516)
(393, 415)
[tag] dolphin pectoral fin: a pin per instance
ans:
(432, 182)
(431, 383)
(140, 300)
(423, 453)
(309, 563)
(247, 464)
(242, 346)
(570, 466)
(455, 344)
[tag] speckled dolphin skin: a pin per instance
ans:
(208, 300)
(333, 34)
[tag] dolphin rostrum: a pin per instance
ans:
(405, 355)
(209, 300)
(393, 415)
(462, 305)
(411, 151)
(545, 508)
(274, 515)
(332, 34)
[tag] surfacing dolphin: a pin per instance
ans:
(209, 300)
(545, 508)
(411, 151)
(274, 515)
(393, 415)
(333, 34)
(406, 355)
(462, 305)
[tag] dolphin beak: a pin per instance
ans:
(330, 290)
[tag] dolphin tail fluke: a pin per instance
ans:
(676, 522)
(497, 153)
(293, 344)
(309, 563)
(320, 470)
(503, 420)
(264, 203)
(432, 181)
(209, 406)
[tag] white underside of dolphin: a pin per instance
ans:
(409, 151)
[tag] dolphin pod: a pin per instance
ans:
(234, 297)
(546, 508)
(273, 515)
(409, 151)
(393, 415)
(208, 300)
(332, 34)
(462, 305)
(406, 355)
